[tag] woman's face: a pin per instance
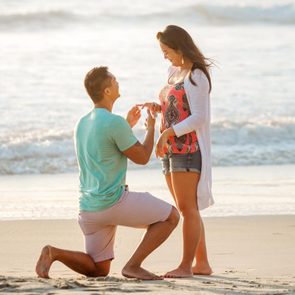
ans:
(174, 56)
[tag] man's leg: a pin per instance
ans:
(77, 261)
(155, 235)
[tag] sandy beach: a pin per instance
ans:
(249, 255)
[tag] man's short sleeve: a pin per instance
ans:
(122, 134)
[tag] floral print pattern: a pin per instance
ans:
(175, 108)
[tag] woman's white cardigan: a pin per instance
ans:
(199, 121)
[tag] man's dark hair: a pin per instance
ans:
(96, 81)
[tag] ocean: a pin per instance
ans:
(47, 47)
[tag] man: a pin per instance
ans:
(103, 143)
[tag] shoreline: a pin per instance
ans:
(238, 191)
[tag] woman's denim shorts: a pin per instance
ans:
(182, 162)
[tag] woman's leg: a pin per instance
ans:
(169, 184)
(202, 266)
(184, 186)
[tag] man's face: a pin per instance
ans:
(113, 88)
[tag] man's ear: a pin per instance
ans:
(107, 91)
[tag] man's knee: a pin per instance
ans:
(174, 216)
(102, 269)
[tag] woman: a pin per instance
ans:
(184, 143)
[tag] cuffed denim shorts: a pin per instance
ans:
(182, 162)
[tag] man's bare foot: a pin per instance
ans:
(202, 269)
(44, 263)
(138, 272)
(179, 273)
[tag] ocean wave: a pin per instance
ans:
(37, 19)
(200, 13)
(280, 13)
(37, 152)
(234, 143)
(255, 131)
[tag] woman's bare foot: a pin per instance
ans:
(179, 273)
(44, 262)
(202, 269)
(138, 272)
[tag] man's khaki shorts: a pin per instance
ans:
(134, 209)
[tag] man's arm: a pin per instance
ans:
(140, 153)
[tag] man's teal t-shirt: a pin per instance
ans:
(100, 138)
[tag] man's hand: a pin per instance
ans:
(134, 115)
(140, 153)
(150, 121)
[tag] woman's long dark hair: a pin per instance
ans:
(179, 39)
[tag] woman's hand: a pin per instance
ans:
(134, 115)
(162, 142)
